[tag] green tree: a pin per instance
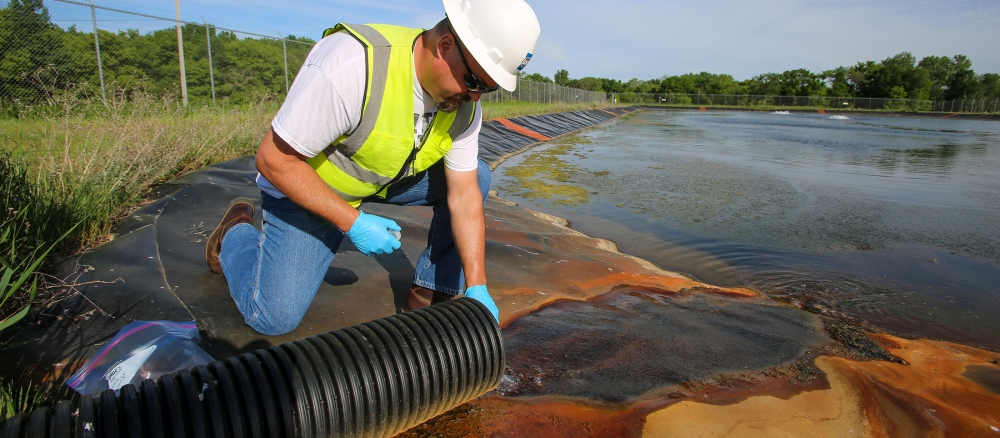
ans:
(801, 82)
(28, 44)
(963, 83)
(613, 85)
(683, 84)
(590, 83)
(80, 64)
(897, 92)
(839, 82)
(940, 69)
(561, 77)
(538, 77)
(901, 70)
(989, 86)
(699, 83)
(636, 85)
(720, 84)
(764, 84)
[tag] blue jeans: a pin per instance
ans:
(274, 273)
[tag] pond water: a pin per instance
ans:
(895, 220)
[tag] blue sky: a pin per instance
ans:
(645, 39)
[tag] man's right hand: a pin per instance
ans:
(371, 235)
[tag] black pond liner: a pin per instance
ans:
(497, 142)
(374, 379)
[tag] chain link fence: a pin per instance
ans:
(108, 48)
(532, 91)
(968, 106)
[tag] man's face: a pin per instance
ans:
(465, 71)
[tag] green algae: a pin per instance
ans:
(545, 174)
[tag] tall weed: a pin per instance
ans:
(20, 252)
(15, 401)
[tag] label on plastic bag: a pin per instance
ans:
(123, 371)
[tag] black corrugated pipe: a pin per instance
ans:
(373, 379)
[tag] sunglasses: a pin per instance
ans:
(471, 81)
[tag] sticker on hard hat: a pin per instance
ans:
(525, 62)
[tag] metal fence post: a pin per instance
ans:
(284, 52)
(180, 54)
(211, 72)
(97, 48)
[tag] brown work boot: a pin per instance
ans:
(422, 297)
(240, 211)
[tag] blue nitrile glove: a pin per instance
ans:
(371, 234)
(479, 293)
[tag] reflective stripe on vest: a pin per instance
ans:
(364, 162)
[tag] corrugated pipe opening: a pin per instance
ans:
(373, 379)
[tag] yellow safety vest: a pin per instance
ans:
(381, 149)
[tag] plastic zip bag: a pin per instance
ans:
(141, 350)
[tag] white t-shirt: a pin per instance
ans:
(325, 102)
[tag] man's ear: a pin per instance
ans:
(445, 44)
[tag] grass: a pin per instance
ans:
(14, 401)
(19, 271)
(495, 110)
(91, 167)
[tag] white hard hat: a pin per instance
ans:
(500, 35)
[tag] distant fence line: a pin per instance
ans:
(853, 103)
(967, 106)
(532, 91)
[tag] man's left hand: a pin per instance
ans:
(481, 294)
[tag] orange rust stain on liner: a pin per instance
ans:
(949, 115)
(930, 395)
(494, 416)
(522, 130)
(822, 111)
(701, 108)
